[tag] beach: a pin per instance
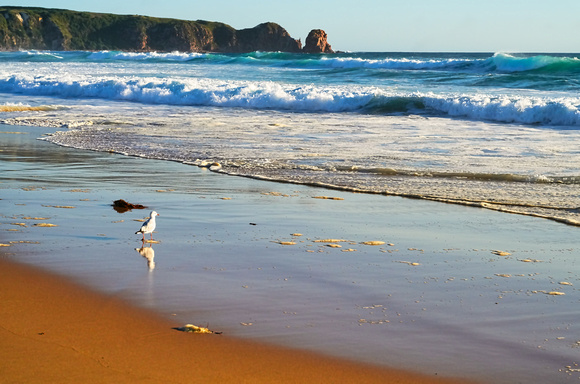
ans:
(378, 281)
(54, 331)
(56, 328)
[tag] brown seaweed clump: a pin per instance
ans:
(122, 206)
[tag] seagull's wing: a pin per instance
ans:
(143, 228)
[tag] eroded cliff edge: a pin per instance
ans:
(23, 28)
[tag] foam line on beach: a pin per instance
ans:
(516, 208)
(543, 211)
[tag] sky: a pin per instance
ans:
(379, 26)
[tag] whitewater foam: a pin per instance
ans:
(144, 56)
(400, 64)
(517, 108)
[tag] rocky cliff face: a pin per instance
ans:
(316, 42)
(266, 37)
(54, 29)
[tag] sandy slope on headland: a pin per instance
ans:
(53, 331)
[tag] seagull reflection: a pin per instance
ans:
(148, 253)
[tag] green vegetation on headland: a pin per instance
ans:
(24, 28)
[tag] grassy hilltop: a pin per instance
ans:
(59, 29)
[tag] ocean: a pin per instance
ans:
(499, 131)
(466, 288)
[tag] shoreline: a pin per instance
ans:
(54, 331)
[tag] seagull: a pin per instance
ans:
(148, 226)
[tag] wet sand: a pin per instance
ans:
(434, 298)
(54, 331)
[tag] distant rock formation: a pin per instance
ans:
(316, 42)
(64, 30)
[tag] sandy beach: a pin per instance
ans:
(53, 331)
(288, 273)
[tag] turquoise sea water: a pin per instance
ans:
(477, 128)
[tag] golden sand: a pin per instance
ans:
(52, 331)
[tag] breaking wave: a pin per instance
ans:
(303, 98)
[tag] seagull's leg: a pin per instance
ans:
(151, 235)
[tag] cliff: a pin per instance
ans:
(57, 29)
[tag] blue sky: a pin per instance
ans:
(373, 25)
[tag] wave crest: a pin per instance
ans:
(144, 56)
(503, 62)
